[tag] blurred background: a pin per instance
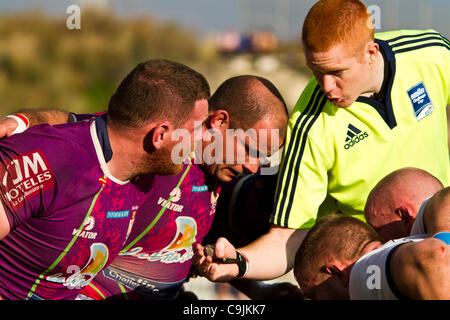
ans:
(45, 64)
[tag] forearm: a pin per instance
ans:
(269, 257)
(273, 254)
(26, 118)
(50, 116)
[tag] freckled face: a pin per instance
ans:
(342, 77)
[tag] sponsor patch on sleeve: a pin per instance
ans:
(24, 177)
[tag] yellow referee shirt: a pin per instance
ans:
(333, 156)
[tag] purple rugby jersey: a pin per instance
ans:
(69, 217)
(157, 257)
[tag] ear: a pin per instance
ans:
(160, 135)
(405, 213)
(371, 52)
(219, 120)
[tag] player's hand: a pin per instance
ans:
(7, 126)
(215, 270)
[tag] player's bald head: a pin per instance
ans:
(412, 185)
(393, 204)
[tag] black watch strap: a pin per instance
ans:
(242, 263)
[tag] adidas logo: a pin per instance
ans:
(354, 136)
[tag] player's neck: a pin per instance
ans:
(378, 73)
(376, 70)
(125, 147)
(370, 246)
(119, 168)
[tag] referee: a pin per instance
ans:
(375, 104)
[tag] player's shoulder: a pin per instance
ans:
(71, 133)
(195, 181)
(50, 136)
(401, 35)
(56, 145)
(376, 263)
(416, 44)
(381, 253)
(424, 248)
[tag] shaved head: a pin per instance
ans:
(335, 242)
(393, 203)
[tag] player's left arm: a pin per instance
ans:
(421, 270)
(21, 120)
(50, 116)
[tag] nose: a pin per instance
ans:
(328, 83)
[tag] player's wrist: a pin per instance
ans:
(242, 263)
(22, 122)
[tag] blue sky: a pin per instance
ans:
(283, 16)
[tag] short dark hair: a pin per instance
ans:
(337, 235)
(154, 89)
(247, 99)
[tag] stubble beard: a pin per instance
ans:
(159, 163)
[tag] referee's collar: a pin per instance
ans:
(383, 103)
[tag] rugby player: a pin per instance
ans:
(373, 106)
(156, 260)
(393, 206)
(69, 193)
(344, 258)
